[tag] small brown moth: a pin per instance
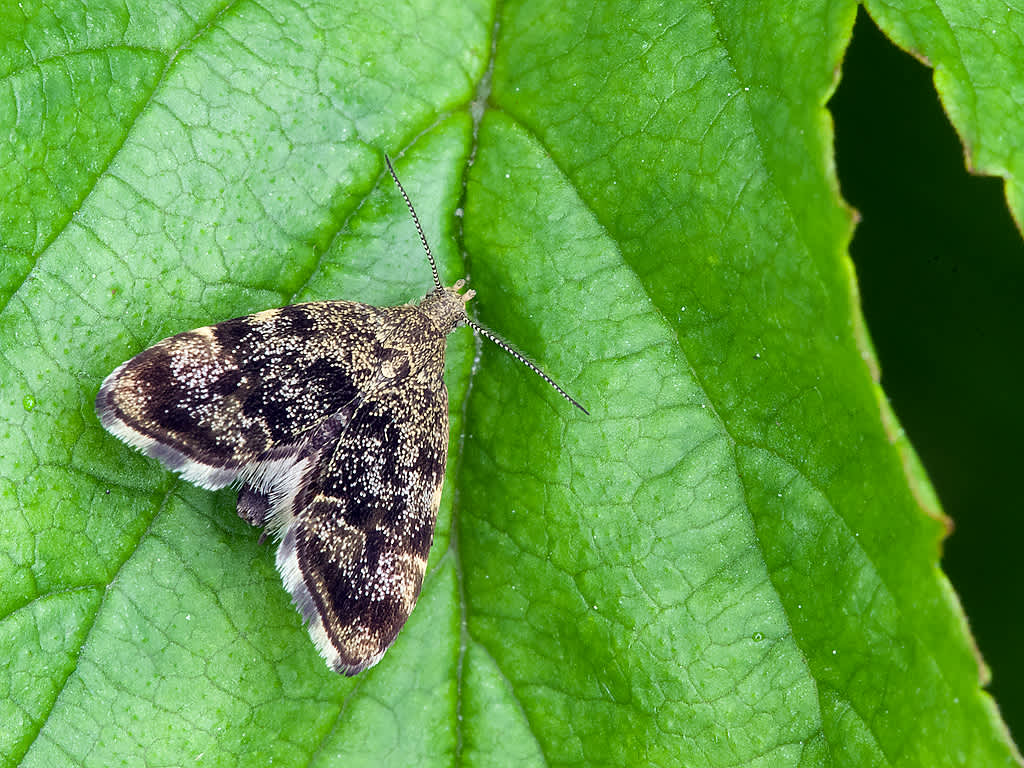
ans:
(332, 419)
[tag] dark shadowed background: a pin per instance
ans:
(941, 270)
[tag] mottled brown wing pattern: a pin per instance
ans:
(214, 402)
(333, 419)
(354, 556)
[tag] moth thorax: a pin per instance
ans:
(447, 307)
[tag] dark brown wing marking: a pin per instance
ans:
(354, 558)
(210, 403)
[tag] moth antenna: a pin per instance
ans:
(483, 331)
(416, 221)
(486, 333)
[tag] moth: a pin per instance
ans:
(331, 417)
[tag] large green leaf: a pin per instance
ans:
(733, 560)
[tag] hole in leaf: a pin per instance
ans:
(941, 270)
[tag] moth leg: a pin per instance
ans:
(253, 505)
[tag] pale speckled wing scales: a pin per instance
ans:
(229, 401)
(354, 557)
(332, 418)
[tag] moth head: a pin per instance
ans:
(447, 307)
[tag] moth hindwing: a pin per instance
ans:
(332, 419)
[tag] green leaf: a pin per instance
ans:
(733, 560)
